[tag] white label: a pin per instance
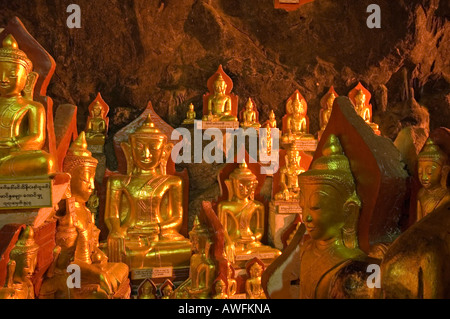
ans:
(288, 207)
(204, 125)
(255, 255)
(306, 145)
(24, 195)
(162, 272)
(238, 296)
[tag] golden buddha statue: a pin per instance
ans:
(331, 263)
(167, 289)
(231, 282)
(363, 110)
(144, 210)
(96, 126)
(325, 115)
(23, 260)
(241, 215)
(202, 267)
(219, 289)
(249, 116)
(253, 286)
(23, 121)
(190, 115)
(147, 290)
(433, 169)
(296, 122)
(220, 103)
(289, 176)
(272, 120)
(77, 238)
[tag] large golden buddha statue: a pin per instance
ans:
(144, 211)
(433, 173)
(220, 103)
(241, 215)
(331, 262)
(22, 121)
(21, 267)
(78, 238)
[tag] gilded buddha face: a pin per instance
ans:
(360, 98)
(294, 157)
(244, 188)
(256, 270)
(429, 173)
(220, 86)
(146, 151)
(97, 110)
(13, 78)
(323, 210)
(82, 183)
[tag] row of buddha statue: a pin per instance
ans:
(227, 254)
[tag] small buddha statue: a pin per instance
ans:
(220, 103)
(167, 289)
(289, 176)
(219, 289)
(363, 110)
(272, 120)
(202, 267)
(325, 115)
(241, 215)
(96, 125)
(147, 290)
(190, 115)
(249, 116)
(253, 286)
(23, 121)
(78, 237)
(144, 209)
(23, 260)
(433, 169)
(231, 282)
(296, 123)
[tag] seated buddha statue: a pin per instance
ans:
(167, 289)
(144, 209)
(289, 176)
(190, 115)
(249, 116)
(331, 264)
(96, 125)
(220, 103)
(231, 282)
(296, 123)
(363, 110)
(253, 286)
(241, 215)
(433, 169)
(23, 260)
(272, 120)
(326, 113)
(23, 121)
(77, 238)
(219, 289)
(147, 290)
